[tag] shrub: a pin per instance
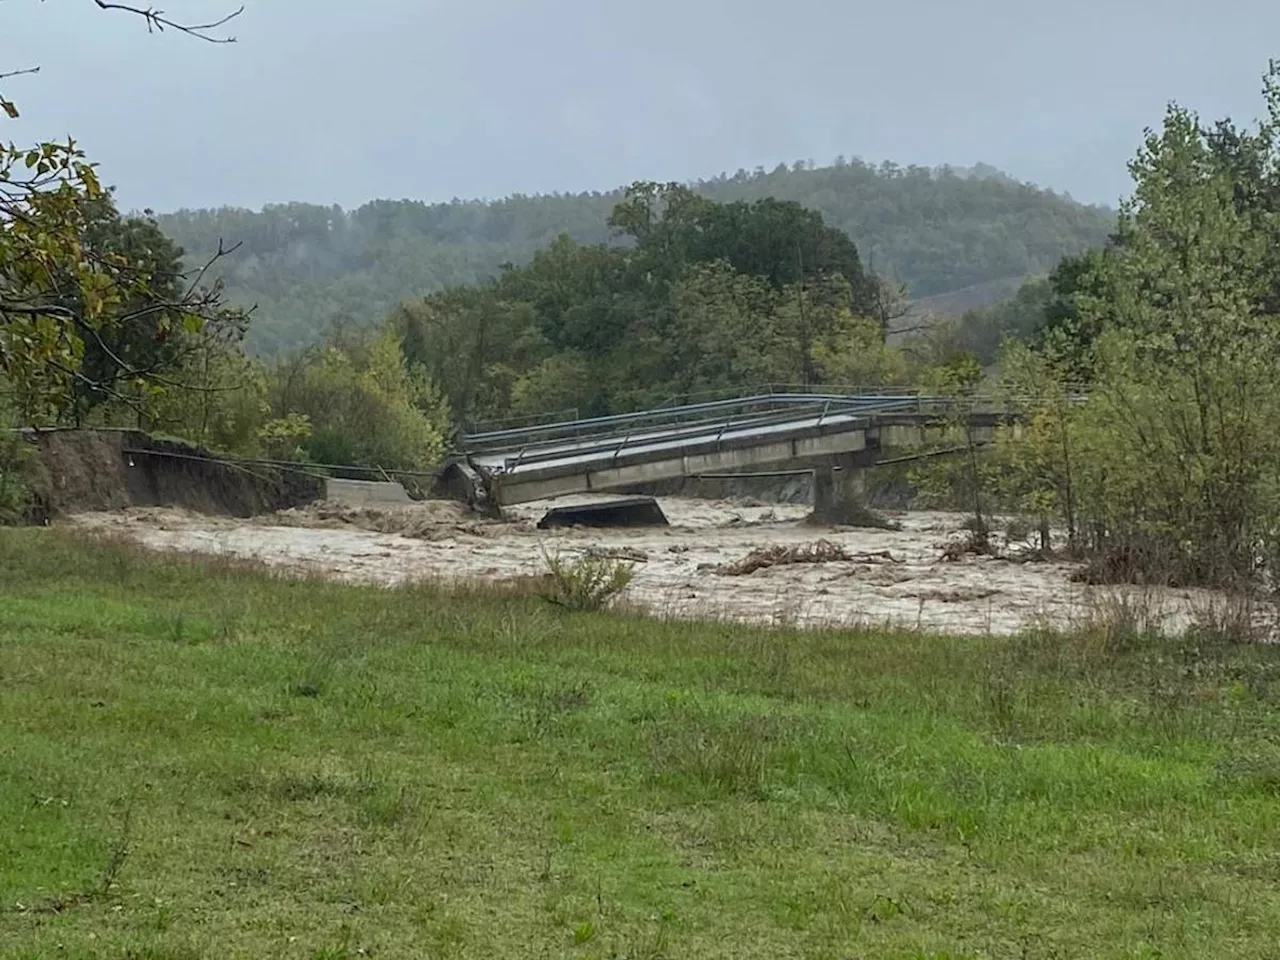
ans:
(586, 583)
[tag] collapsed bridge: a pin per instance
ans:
(835, 435)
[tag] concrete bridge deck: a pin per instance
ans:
(840, 432)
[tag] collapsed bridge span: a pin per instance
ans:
(836, 435)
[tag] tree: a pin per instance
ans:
(1036, 460)
(705, 298)
(852, 353)
(1173, 464)
(1075, 311)
(1021, 317)
(474, 344)
(721, 331)
(889, 302)
(64, 294)
(363, 404)
(153, 346)
(781, 242)
(584, 298)
(1187, 379)
(224, 403)
(555, 388)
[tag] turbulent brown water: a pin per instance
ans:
(897, 577)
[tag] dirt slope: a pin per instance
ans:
(94, 470)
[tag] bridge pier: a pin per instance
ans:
(839, 491)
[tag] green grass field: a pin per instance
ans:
(198, 760)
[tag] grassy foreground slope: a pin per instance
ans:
(200, 760)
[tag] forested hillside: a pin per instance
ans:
(935, 230)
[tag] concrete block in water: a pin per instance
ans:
(632, 512)
(361, 492)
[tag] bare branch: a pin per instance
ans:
(131, 402)
(158, 22)
(222, 252)
(203, 303)
(19, 73)
(902, 331)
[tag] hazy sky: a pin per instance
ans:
(350, 100)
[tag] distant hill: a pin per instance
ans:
(928, 311)
(937, 230)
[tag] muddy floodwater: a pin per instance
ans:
(897, 577)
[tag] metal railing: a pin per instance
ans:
(715, 429)
(670, 428)
(481, 427)
(690, 415)
(737, 411)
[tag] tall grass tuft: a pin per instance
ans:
(585, 583)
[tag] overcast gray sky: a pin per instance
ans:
(350, 100)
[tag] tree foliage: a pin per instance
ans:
(706, 298)
(92, 307)
(44, 192)
(223, 403)
(983, 331)
(355, 400)
(1171, 469)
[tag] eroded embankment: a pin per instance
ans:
(95, 470)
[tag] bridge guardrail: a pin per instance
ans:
(613, 444)
(621, 424)
(647, 428)
(617, 443)
(621, 427)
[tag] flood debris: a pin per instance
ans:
(820, 551)
(631, 554)
(955, 596)
(973, 543)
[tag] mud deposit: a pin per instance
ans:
(894, 577)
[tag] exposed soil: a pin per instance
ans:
(864, 577)
(92, 470)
